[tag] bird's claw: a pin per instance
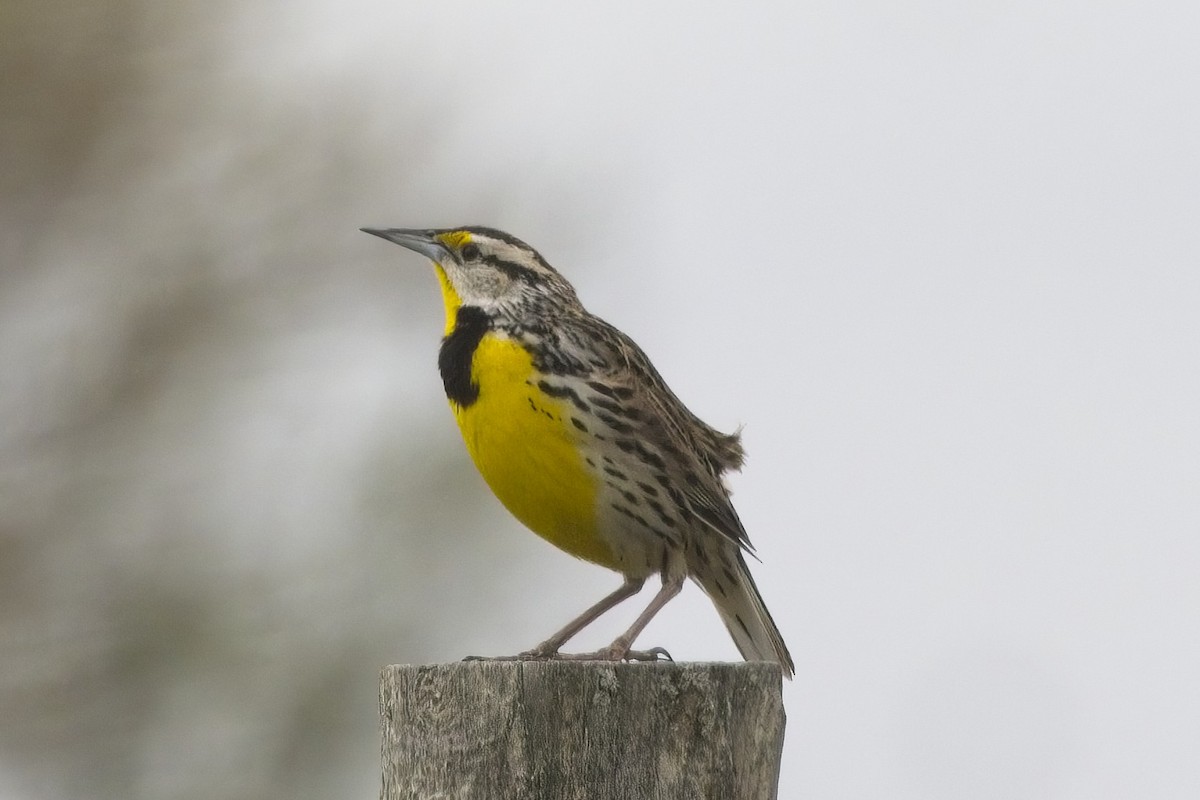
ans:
(610, 653)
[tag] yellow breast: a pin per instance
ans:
(524, 445)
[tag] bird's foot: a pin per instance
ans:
(614, 652)
(617, 652)
(536, 654)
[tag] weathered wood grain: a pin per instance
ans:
(586, 730)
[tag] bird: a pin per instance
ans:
(580, 438)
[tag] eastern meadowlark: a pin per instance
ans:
(580, 438)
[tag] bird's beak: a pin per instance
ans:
(424, 242)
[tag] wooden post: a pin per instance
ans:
(589, 730)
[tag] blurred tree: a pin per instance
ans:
(215, 505)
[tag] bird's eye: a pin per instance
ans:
(469, 253)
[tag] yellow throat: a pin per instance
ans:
(523, 444)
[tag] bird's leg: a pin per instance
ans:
(619, 649)
(549, 648)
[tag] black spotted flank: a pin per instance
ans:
(611, 392)
(650, 457)
(638, 518)
(614, 423)
(457, 353)
(608, 405)
(616, 473)
(602, 388)
(564, 391)
(667, 519)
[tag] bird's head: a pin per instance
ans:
(485, 268)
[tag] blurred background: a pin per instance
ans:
(942, 261)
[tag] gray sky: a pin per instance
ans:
(940, 260)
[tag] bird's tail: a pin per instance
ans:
(732, 590)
